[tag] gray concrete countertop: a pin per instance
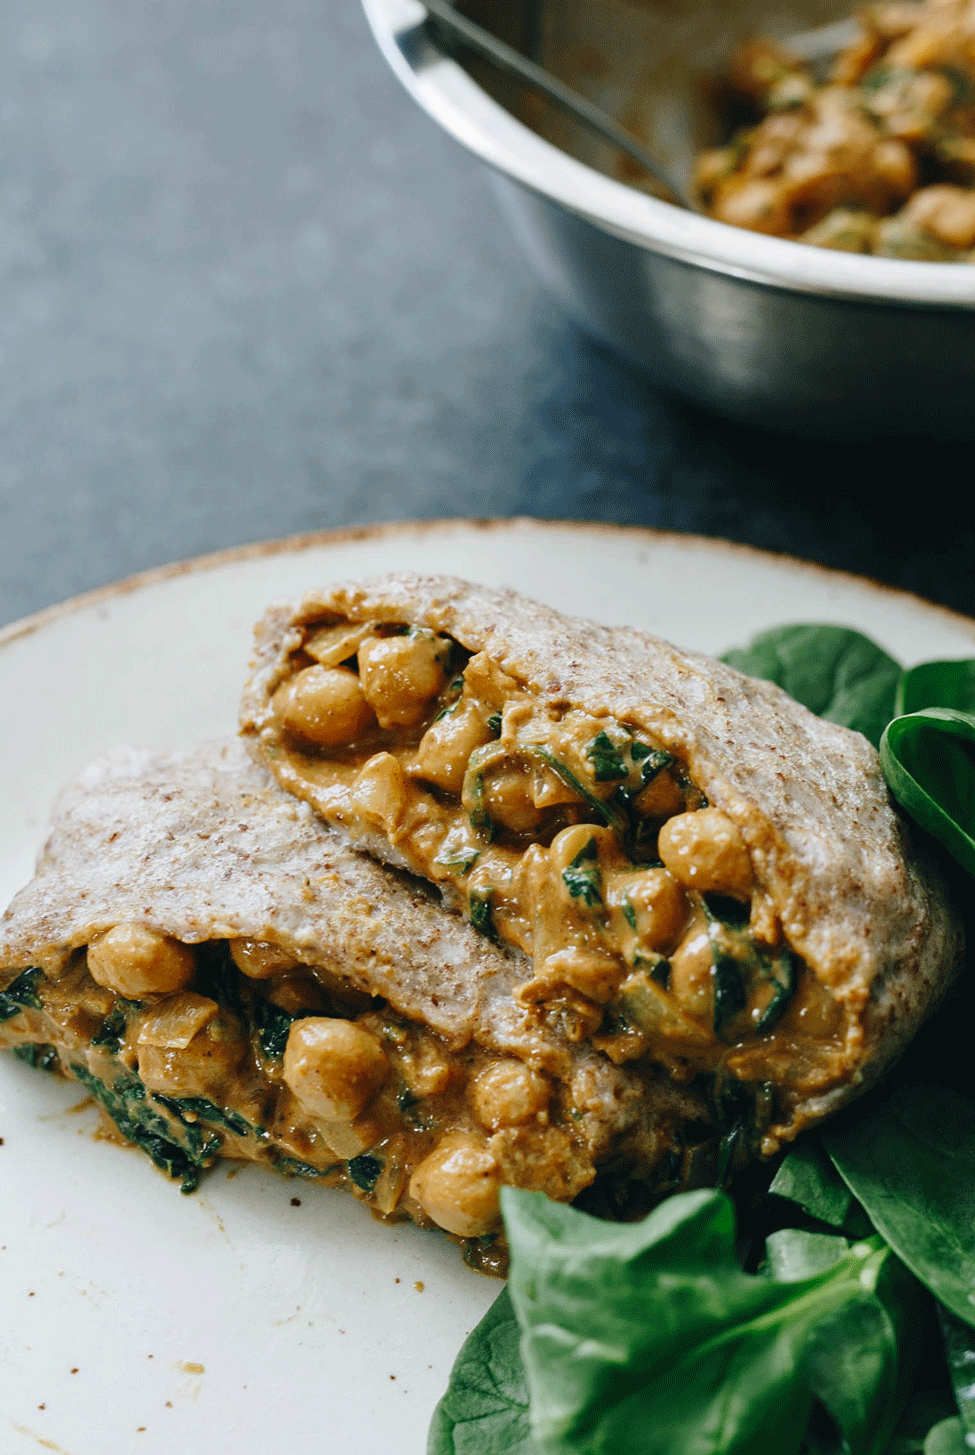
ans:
(248, 290)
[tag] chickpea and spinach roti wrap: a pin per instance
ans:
(229, 979)
(690, 869)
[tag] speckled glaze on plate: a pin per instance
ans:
(140, 1320)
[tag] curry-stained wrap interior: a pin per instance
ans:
(693, 870)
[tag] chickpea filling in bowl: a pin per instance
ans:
(573, 839)
(876, 157)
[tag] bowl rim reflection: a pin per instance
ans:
(466, 112)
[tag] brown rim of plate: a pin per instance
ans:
(308, 540)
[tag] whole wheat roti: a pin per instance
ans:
(859, 900)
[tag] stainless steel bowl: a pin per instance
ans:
(779, 334)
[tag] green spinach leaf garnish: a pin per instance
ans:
(485, 1409)
(836, 672)
(959, 1342)
(648, 1338)
(909, 1158)
(808, 1178)
(928, 758)
(936, 684)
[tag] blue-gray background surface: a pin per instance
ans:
(248, 289)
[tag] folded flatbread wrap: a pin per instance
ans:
(227, 977)
(695, 871)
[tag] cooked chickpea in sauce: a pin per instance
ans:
(576, 839)
(877, 156)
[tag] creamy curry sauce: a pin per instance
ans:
(232, 1049)
(573, 838)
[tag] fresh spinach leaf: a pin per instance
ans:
(959, 1342)
(910, 1160)
(21, 992)
(948, 1438)
(794, 1253)
(936, 684)
(485, 1408)
(648, 1338)
(924, 1410)
(928, 759)
(808, 1178)
(836, 672)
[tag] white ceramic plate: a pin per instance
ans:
(135, 1319)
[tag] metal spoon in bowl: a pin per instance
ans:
(812, 46)
(557, 92)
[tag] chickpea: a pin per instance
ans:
(134, 961)
(508, 799)
(258, 959)
(705, 851)
(508, 1094)
(592, 973)
(324, 706)
(654, 899)
(692, 973)
(458, 1186)
(334, 1067)
(401, 674)
(379, 793)
(447, 745)
(211, 1058)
